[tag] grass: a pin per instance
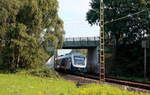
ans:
(40, 72)
(133, 78)
(31, 85)
(96, 89)
(19, 84)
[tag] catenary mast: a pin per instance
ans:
(102, 53)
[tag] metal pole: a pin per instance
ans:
(102, 40)
(145, 73)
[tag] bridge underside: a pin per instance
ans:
(76, 47)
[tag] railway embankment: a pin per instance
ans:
(84, 79)
(39, 84)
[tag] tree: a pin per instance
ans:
(127, 29)
(126, 21)
(30, 30)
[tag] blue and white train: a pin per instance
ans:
(71, 62)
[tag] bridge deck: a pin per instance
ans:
(81, 42)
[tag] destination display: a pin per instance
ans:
(79, 60)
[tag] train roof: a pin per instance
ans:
(70, 55)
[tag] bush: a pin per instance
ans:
(40, 72)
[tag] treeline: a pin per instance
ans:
(128, 23)
(30, 31)
(128, 61)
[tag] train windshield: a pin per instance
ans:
(79, 60)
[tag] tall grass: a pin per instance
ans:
(103, 89)
(29, 85)
(40, 72)
(19, 84)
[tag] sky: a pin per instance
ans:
(73, 13)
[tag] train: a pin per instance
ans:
(71, 62)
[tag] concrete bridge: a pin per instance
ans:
(89, 43)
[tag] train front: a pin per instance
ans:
(79, 62)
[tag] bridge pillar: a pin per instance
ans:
(92, 60)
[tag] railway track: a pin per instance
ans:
(83, 79)
(142, 85)
(136, 84)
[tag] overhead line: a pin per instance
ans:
(129, 15)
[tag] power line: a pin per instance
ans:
(129, 15)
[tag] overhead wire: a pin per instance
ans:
(113, 20)
(127, 16)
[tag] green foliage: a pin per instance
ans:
(128, 29)
(43, 72)
(30, 31)
(125, 34)
(29, 85)
(103, 89)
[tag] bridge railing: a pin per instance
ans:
(82, 39)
